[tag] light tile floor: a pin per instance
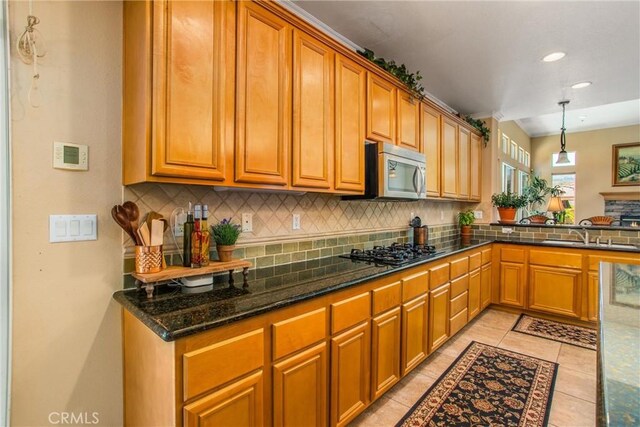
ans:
(573, 401)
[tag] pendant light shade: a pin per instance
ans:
(563, 158)
(555, 204)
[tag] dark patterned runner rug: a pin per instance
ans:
(487, 386)
(557, 331)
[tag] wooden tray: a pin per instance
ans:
(149, 280)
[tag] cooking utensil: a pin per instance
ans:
(416, 222)
(145, 234)
(122, 219)
(156, 216)
(133, 213)
(157, 231)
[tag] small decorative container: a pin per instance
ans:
(225, 252)
(148, 259)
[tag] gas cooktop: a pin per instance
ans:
(395, 255)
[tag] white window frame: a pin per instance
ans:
(503, 176)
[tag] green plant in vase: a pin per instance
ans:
(508, 203)
(465, 219)
(225, 233)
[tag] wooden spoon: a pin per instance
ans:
(133, 213)
(122, 219)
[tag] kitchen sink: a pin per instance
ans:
(601, 245)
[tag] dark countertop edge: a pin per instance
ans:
(169, 336)
(538, 242)
(567, 226)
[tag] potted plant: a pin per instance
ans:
(536, 191)
(465, 219)
(508, 203)
(225, 233)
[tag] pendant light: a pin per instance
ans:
(563, 158)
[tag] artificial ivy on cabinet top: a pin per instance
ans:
(480, 127)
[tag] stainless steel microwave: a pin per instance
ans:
(393, 172)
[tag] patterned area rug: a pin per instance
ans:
(487, 386)
(556, 331)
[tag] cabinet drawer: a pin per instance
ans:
(459, 267)
(475, 261)
(415, 285)
(299, 332)
(486, 256)
(386, 297)
(216, 364)
(512, 255)
(460, 285)
(438, 276)
(350, 312)
(555, 259)
(457, 322)
(458, 304)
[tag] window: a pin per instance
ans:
(567, 183)
(505, 144)
(523, 181)
(508, 178)
(527, 159)
(514, 150)
(570, 154)
(521, 155)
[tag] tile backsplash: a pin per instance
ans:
(329, 226)
(556, 233)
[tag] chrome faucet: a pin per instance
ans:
(584, 238)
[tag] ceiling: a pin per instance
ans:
(484, 57)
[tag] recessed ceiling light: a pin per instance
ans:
(554, 56)
(582, 118)
(580, 85)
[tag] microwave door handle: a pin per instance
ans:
(415, 180)
(423, 185)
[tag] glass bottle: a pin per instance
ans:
(196, 238)
(206, 237)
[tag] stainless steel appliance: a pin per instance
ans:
(395, 255)
(393, 172)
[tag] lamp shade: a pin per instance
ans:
(555, 204)
(563, 158)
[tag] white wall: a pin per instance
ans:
(593, 164)
(66, 327)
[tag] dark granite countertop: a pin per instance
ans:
(172, 314)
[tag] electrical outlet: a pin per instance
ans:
(178, 229)
(247, 222)
(507, 230)
(477, 214)
(295, 222)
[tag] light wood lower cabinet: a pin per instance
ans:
(238, 404)
(300, 389)
(415, 345)
(475, 284)
(512, 284)
(439, 302)
(485, 285)
(350, 373)
(555, 290)
(385, 349)
(593, 283)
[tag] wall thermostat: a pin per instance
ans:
(70, 156)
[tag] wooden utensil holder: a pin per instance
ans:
(148, 259)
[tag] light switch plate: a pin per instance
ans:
(72, 228)
(295, 222)
(477, 214)
(70, 156)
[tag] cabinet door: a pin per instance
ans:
(189, 96)
(475, 168)
(385, 348)
(263, 91)
(512, 277)
(439, 316)
(474, 293)
(449, 180)
(238, 404)
(408, 121)
(592, 295)
(431, 148)
(313, 136)
(485, 286)
(464, 147)
(414, 333)
(381, 110)
(300, 389)
(350, 125)
(555, 290)
(350, 373)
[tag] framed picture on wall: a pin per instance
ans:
(626, 164)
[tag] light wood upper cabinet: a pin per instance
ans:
(464, 147)
(449, 171)
(381, 109)
(475, 168)
(408, 121)
(313, 136)
(176, 99)
(238, 404)
(350, 104)
(300, 389)
(430, 143)
(263, 112)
